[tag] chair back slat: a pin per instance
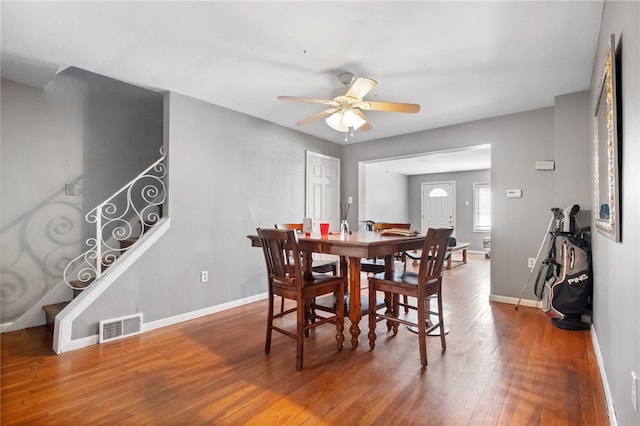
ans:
(277, 246)
(294, 226)
(379, 226)
(433, 253)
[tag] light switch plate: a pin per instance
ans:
(514, 193)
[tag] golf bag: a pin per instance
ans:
(564, 282)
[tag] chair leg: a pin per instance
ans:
(441, 321)
(422, 334)
(406, 303)
(267, 344)
(300, 332)
(282, 305)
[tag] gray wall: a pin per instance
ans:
(615, 265)
(228, 174)
(464, 193)
(517, 140)
(386, 197)
(83, 129)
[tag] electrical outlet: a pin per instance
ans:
(350, 200)
(69, 189)
(204, 276)
(634, 390)
(532, 262)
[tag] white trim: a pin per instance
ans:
(514, 301)
(83, 342)
(165, 322)
(4, 326)
(477, 186)
(187, 316)
(482, 252)
(603, 376)
(64, 320)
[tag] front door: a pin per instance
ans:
(438, 205)
(323, 189)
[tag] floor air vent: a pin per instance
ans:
(118, 328)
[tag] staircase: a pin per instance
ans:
(121, 223)
(78, 286)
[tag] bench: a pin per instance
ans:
(415, 255)
(458, 247)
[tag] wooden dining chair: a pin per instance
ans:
(421, 286)
(287, 279)
(319, 266)
(375, 265)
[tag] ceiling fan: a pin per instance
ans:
(346, 104)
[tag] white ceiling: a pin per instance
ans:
(472, 158)
(461, 61)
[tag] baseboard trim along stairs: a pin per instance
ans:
(62, 340)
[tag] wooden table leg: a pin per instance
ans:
(355, 306)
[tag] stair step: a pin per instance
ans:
(125, 244)
(146, 225)
(79, 286)
(51, 311)
(106, 262)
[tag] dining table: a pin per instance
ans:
(352, 248)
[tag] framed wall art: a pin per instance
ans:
(605, 145)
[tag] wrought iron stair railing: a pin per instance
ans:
(119, 222)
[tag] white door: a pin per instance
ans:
(323, 189)
(438, 205)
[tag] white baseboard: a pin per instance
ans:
(603, 375)
(176, 319)
(165, 322)
(476, 252)
(4, 326)
(514, 301)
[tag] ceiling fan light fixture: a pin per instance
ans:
(344, 121)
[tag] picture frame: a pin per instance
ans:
(606, 150)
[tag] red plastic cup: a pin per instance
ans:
(324, 229)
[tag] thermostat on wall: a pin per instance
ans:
(514, 193)
(546, 165)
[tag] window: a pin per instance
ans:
(481, 207)
(437, 192)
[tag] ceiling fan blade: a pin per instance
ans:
(361, 87)
(318, 116)
(308, 100)
(367, 125)
(388, 106)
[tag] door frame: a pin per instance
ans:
(422, 197)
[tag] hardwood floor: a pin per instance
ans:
(501, 366)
